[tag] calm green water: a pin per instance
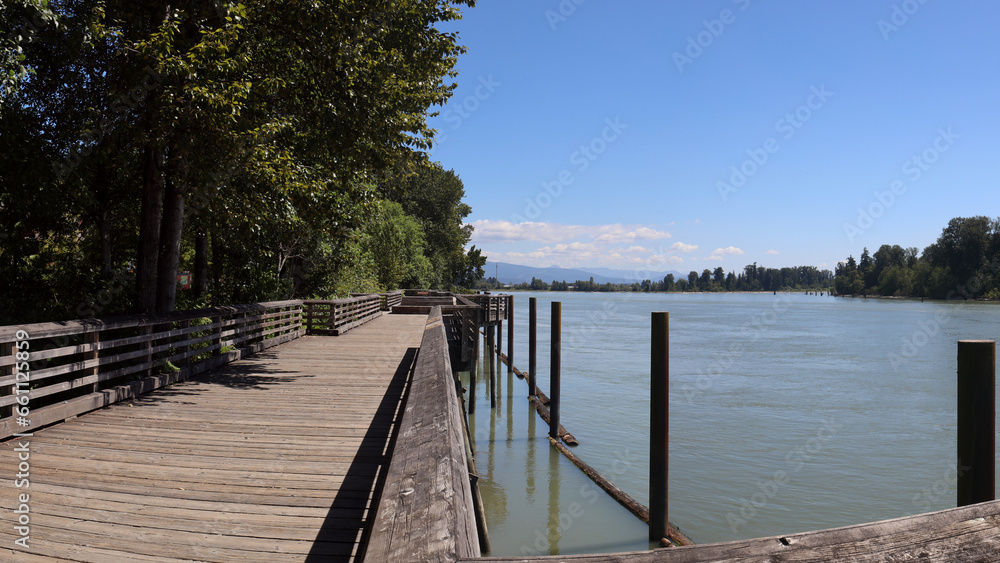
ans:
(788, 413)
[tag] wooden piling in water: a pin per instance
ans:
(474, 375)
(490, 342)
(554, 366)
(659, 420)
(499, 343)
(510, 334)
(976, 421)
(532, 343)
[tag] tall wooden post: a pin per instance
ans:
(659, 420)
(474, 374)
(554, 367)
(499, 342)
(976, 421)
(510, 334)
(490, 344)
(532, 344)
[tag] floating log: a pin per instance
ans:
(546, 416)
(635, 507)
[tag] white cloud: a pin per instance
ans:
(719, 253)
(627, 233)
(772, 252)
(500, 231)
(684, 248)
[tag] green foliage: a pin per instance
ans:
(268, 122)
(434, 196)
(963, 263)
(754, 278)
(396, 244)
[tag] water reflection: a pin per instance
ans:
(520, 521)
(554, 528)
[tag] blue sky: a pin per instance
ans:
(661, 135)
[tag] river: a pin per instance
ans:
(788, 413)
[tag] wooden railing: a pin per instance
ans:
(426, 511)
(494, 306)
(337, 316)
(53, 371)
(391, 299)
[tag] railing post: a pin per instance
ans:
(659, 419)
(7, 349)
(217, 335)
(976, 421)
(146, 330)
(554, 367)
(532, 344)
(94, 339)
(510, 335)
(185, 324)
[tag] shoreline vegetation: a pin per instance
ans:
(753, 278)
(963, 264)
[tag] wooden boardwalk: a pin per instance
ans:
(273, 458)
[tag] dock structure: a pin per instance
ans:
(273, 458)
(302, 431)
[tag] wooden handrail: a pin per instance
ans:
(425, 511)
(81, 365)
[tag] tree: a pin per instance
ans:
(668, 282)
(396, 243)
(692, 281)
(434, 197)
(159, 130)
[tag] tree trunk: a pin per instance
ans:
(170, 247)
(217, 265)
(149, 231)
(99, 187)
(200, 264)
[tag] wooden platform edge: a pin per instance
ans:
(425, 512)
(969, 533)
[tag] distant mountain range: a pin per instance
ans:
(515, 273)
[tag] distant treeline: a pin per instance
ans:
(963, 263)
(752, 278)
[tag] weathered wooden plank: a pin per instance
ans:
(970, 533)
(425, 512)
(270, 459)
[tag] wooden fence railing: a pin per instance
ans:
(391, 299)
(53, 371)
(337, 316)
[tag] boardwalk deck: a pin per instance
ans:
(273, 458)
